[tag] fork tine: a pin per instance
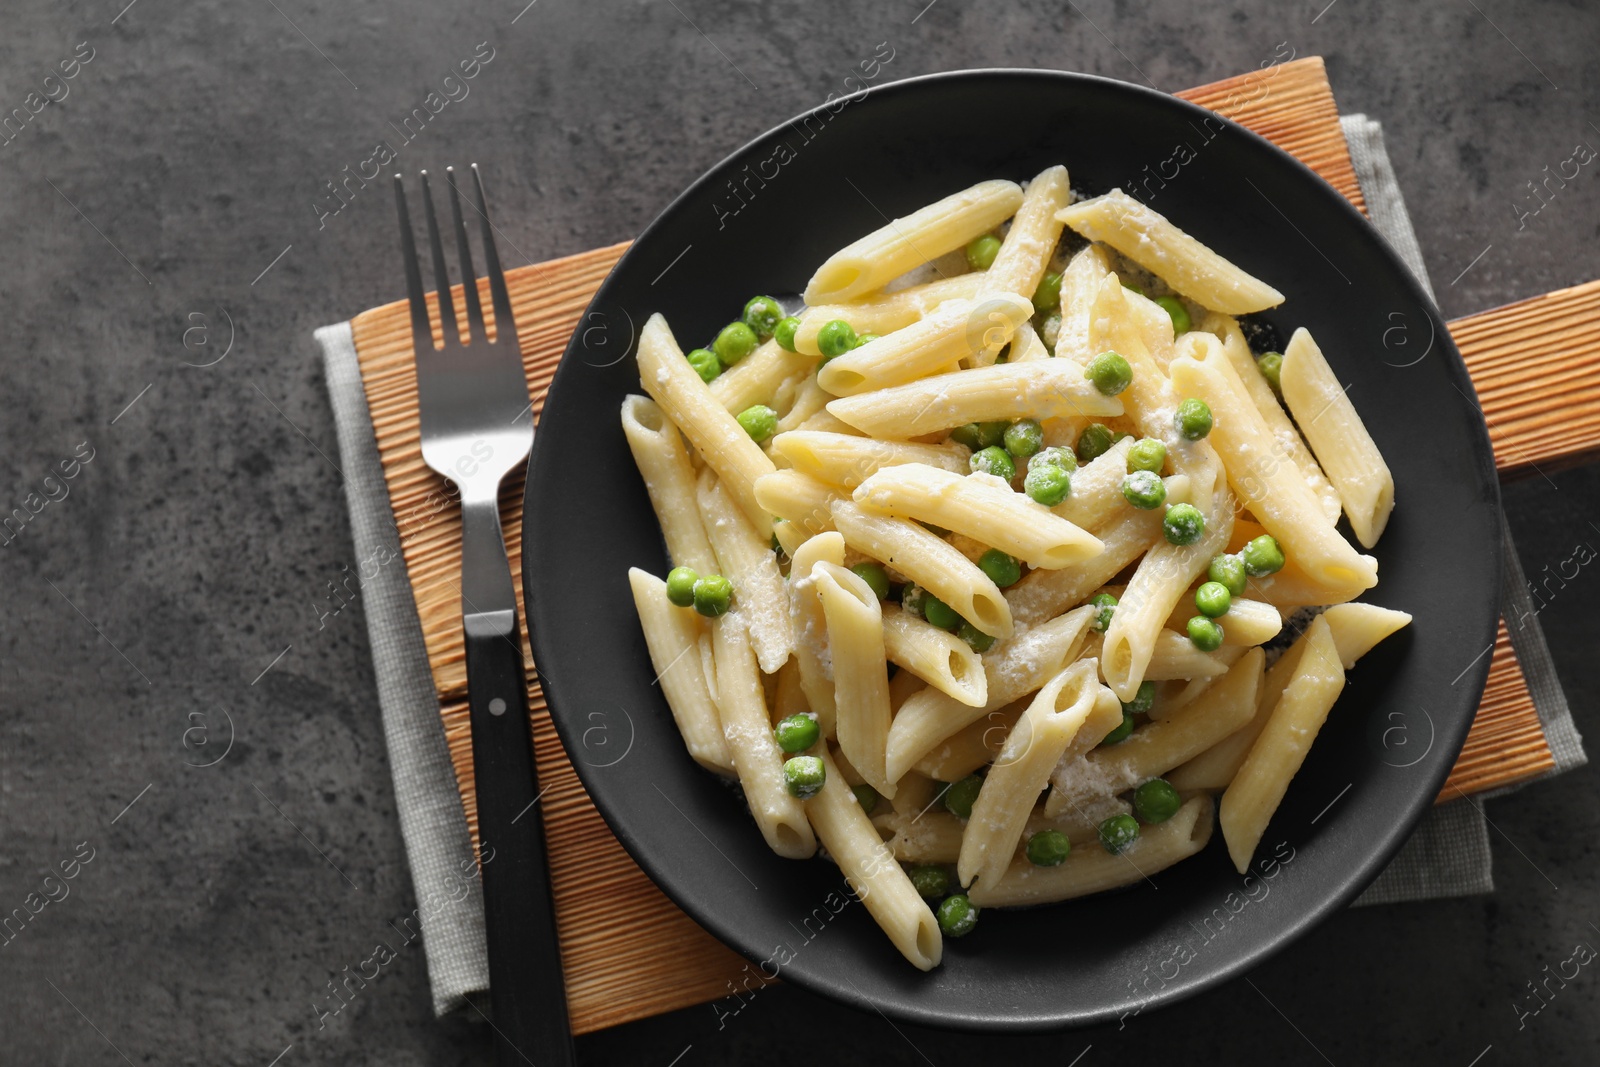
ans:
(420, 326)
(441, 276)
(491, 256)
(469, 277)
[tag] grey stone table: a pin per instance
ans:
(170, 196)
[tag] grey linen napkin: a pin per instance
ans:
(1448, 855)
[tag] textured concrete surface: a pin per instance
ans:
(173, 190)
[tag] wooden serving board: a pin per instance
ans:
(613, 920)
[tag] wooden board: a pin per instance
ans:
(614, 922)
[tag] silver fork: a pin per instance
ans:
(472, 399)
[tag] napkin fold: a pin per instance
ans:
(1448, 854)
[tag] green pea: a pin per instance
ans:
(1156, 800)
(993, 460)
(762, 314)
(982, 250)
(705, 363)
(1270, 364)
(734, 343)
(783, 333)
(975, 638)
(680, 586)
(1048, 295)
(835, 338)
(914, 598)
(1118, 833)
(1183, 525)
(1143, 700)
(957, 916)
(1023, 438)
(875, 576)
(938, 612)
(1213, 599)
(1147, 454)
(713, 594)
(1093, 442)
(960, 797)
(804, 776)
(866, 796)
(1054, 456)
(1176, 312)
(1144, 490)
(1108, 606)
(863, 338)
(759, 421)
(1120, 732)
(1193, 419)
(1048, 484)
(930, 880)
(966, 435)
(1262, 556)
(991, 434)
(1228, 572)
(1048, 848)
(1003, 570)
(1109, 372)
(1205, 633)
(796, 733)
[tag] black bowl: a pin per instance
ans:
(760, 222)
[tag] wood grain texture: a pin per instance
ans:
(628, 951)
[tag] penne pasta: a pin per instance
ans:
(886, 312)
(959, 329)
(974, 745)
(1338, 437)
(935, 656)
(847, 461)
(1146, 237)
(810, 626)
(755, 378)
(1080, 285)
(1025, 253)
(1041, 389)
(745, 558)
(854, 623)
(1045, 594)
(798, 498)
(883, 255)
(663, 463)
(1248, 622)
(672, 635)
(1357, 628)
(982, 507)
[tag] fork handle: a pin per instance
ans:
(526, 988)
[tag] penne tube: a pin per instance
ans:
(1025, 253)
(887, 312)
(1248, 622)
(1175, 656)
(1257, 790)
(854, 622)
(663, 463)
(1080, 285)
(756, 756)
(936, 656)
(716, 435)
(1013, 669)
(755, 378)
(902, 684)
(847, 461)
(1157, 747)
(810, 627)
(790, 535)
(787, 697)
(1338, 437)
(928, 560)
(871, 870)
(1045, 594)
(746, 559)
(912, 795)
(1092, 869)
(1146, 237)
(932, 836)
(799, 498)
(1026, 345)
(672, 635)
(1248, 377)
(1096, 495)
(1041, 389)
(1272, 488)
(810, 400)
(974, 745)
(982, 507)
(959, 329)
(1022, 771)
(892, 250)
(1357, 628)
(1162, 576)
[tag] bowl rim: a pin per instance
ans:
(1360, 875)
